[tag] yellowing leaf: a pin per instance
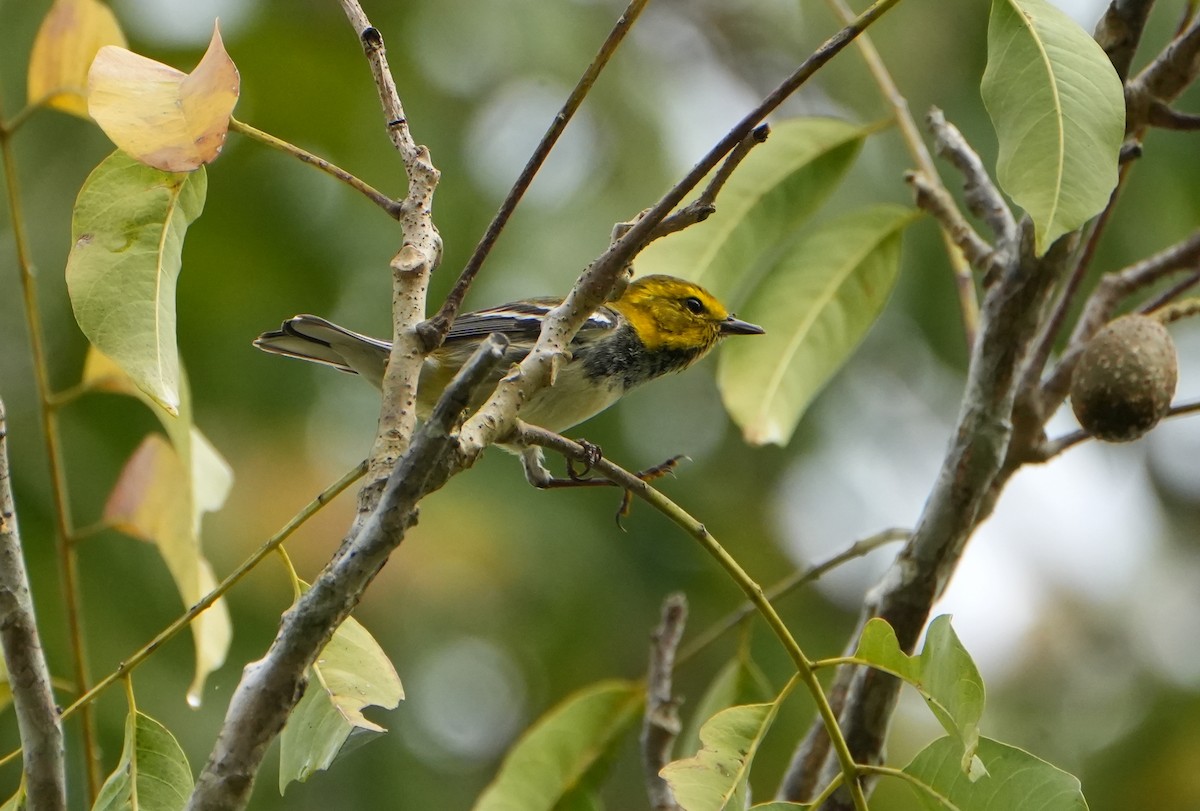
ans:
(161, 116)
(153, 501)
(66, 43)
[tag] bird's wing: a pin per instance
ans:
(521, 320)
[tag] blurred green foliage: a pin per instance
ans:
(505, 599)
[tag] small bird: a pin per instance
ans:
(660, 324)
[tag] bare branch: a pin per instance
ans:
(660, 726)
(390, 206)
(1165, 78)
(982, 197)
(1013, 308)
(1120, 30)
(1170, 294)
(705, 204)
(270, 687)
(434, 331)
(931, 196)
(1162, 115)
(411, 267)
(28, 675)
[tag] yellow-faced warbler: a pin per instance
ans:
(660, 324)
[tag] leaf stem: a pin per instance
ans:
(924, 788)
(392, 207)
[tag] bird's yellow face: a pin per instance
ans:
(674, 314)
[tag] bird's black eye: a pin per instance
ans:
(695, 306)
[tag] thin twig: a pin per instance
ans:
(704, 205)
(660, 725)
(1165, 78)
(434, 331)
(390, 206)
(789, 584)
(1170, 294)
(64, 552)
(1034, 402)
(1054, 447)
(931, 196)
(28, 676)
(964, 281)
(1168, 118)
(982, 197)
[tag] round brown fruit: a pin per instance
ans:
(1125, 379)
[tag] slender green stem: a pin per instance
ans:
(923, 787)
(828, 791)
(67, 561)
(237, 574)
(787, 585)
(392, 207)
(13, 124)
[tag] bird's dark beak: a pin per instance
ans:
(734, 326)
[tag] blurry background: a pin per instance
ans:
(1080, 598)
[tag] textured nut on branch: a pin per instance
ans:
(1125, 379)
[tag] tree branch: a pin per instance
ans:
(1013, 307)
(28, 676)
(411, 268)
(1120, 30)
(660, 725)
(270, 687)
(1165, 78)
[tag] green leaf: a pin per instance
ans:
(816, 304)
(944, 674)
(127, 231)
(153, 772)
(352, 672)
(565, 749)
(779, 184)
(1059, 112)
(1014, 779)
(740, 681)
(717, 777)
